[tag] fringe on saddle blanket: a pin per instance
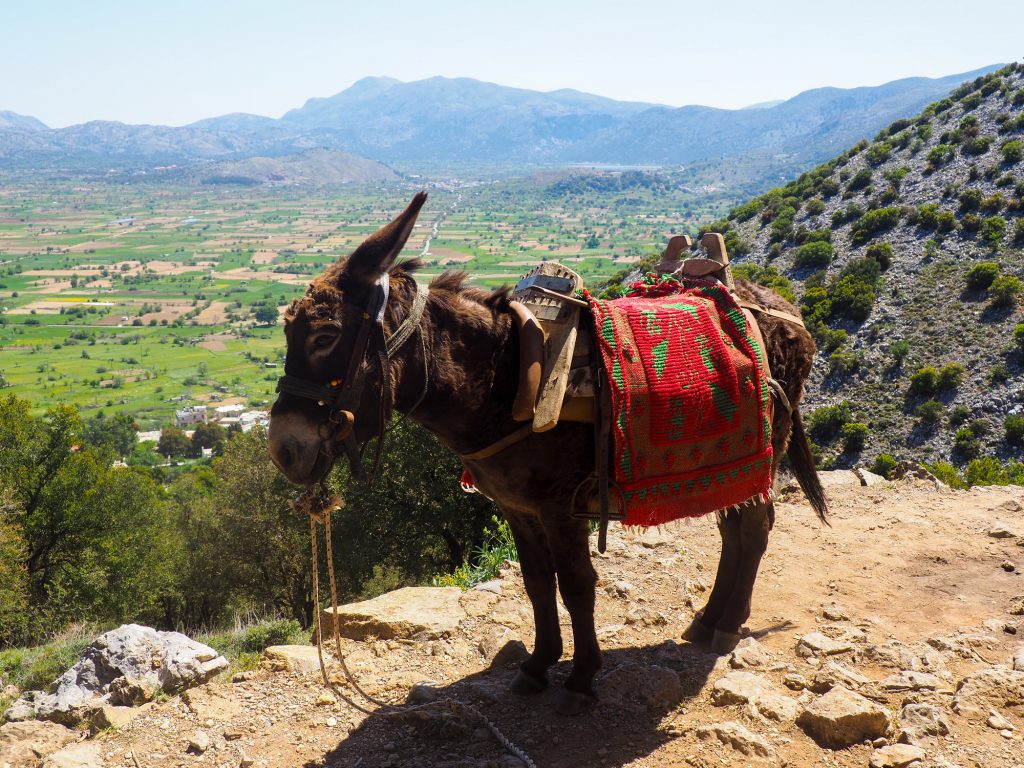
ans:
(691, 406)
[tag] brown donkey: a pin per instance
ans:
(456, 374)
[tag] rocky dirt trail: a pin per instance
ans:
(887, 639)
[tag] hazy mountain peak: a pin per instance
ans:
(21, 122)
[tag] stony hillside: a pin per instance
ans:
(871, 644)
(905, 253)
(312, 167)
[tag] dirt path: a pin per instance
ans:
(907, 578)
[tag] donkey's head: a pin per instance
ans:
(331, 396)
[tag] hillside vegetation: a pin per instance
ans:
(905, 254)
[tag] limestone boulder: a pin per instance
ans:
(738, 738)
(896, 756)
(427, 613)
(300, 659)
(84, 755)
(842, 717)
(151, 660)
(760, 694)
(648, 685)
(988, 689)
(23, 744)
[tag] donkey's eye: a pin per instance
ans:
(323, 340)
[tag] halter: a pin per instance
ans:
(341, 396)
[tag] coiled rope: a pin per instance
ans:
(319, 507)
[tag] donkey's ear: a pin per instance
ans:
(379, 251)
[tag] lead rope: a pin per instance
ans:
(323, 514)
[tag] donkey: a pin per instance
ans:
(349, 363)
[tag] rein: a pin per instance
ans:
(341, 396)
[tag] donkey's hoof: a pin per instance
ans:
(697, 632)
(573, 702)
(527, 685)
(724, 642)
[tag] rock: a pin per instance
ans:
(895, 756)
(761, 695)
(246, 762)
(494, 586)
(1001, 530)
(112, 717)
(817, 644)
(167, 661)
(835, 612)
(619, 588)
(22, 744)
(918, 721)
(839, 478)
(10, 692)
(868, 478)
(998, 722)
(749, 653)
(199, 743)
(841, 718)
(987, 689)
(649, 685)
(1009, 566)
(738, 738)
(84, 755)
(300, 659)
(130, 692)
(795, 681)
(833, 674)
(410, 612)
(1018, 659)
(908, 680)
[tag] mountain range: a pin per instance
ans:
(468, 121)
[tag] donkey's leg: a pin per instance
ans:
(702, 628)
(577, 578)
(539, 580)
(755, 523)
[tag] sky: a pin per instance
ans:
(177, 61)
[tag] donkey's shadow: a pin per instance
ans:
(638, 687)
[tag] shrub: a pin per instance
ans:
(985, 471)
(816, 255)
(1018, 335)
(884, 464)
(980, 276)
(860, 181)
(1014, 427)
(965, 444)
(993, 204)
(993, 229)
(899, 351)
(878, 154)
(815, 206)
(970, 200)
(924, 381)
(998, 374)
(1004, 290)
(882, 253)
(855, 435)
(833, 340)
(971, 222)
(928, 216)
(947, 221)
(853, 298)
(946, 473)
(950, 377)
(1013, 151)
(976, 145)
(1018, 229)
(875, 221)
(843, 362)
(895, 176)
(959, 415)
(827, 422)
(930, 412)
(938, 154)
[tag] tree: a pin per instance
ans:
(208, 435)
(173, 442)
(118, 433)
(265, 315)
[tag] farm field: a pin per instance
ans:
(141, 298)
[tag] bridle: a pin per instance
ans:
(341, 397)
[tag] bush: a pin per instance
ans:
(899, 351)
(878, 153)
(1004, 290)
(924, 381)
(860, 181)
(980, 276)
(827, 422)
(1014, 427)
(815, 206)
(970, 200)
(985, 471)
(998, 374)
(1013, 151)
(947, 221)
(816, 255)
(882, 253)
(873, 222)
(855, 435)
(939, 154)
(884, 464)
(976, 145)
(965, 444)
(1018, 335)
(928, 216)
(843, 362)
(993, 229)
(1018, 230)
(930, 412)
(950, 377)
(959, 415)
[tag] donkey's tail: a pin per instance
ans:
(802, 463)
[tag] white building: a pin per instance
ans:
(192, 414)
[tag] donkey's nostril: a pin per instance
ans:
(286, 453)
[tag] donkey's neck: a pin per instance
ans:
(471, 372)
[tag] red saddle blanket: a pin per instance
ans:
(691, 407)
